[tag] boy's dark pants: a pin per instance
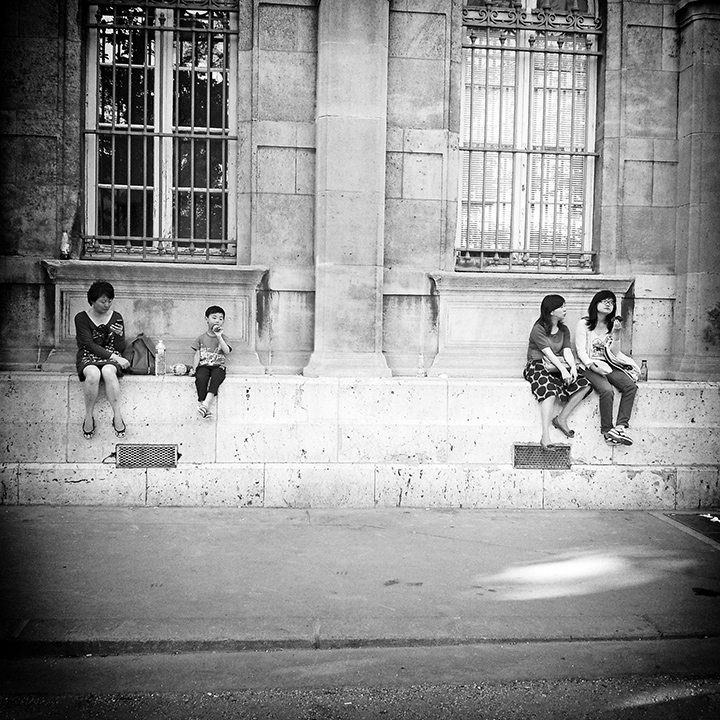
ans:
(208, 379)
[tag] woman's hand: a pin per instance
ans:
(118, 328)
(124, 363)
(599, 369)
(617, 324)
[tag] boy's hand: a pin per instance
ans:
(217, 329)
(191, 372)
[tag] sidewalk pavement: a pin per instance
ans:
(103, 580)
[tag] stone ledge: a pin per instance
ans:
(360, 485)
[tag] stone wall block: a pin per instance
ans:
(289, 420)
(219, 485)
(286, 86)
(351, 222)
(423, 176)
(504, 487)
(284, 230)
(351, 283)
(9, 483)
(610, 488)
(156, 411)
(648, 97)
(416, 93)
(421, 486)
(391, 443)
(418, 34)
(675, 446)
(81, 484)
(638, 183)
(697, 488)
(412, 228)
(34, 419)
(682, 405)
(318, 485)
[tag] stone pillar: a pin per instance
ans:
(696, 352)
(351, 119)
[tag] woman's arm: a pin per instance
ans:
(581, 343)
(117, 327)
(83, 333)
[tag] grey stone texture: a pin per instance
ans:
(346, 174)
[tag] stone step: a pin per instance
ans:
(291, 441)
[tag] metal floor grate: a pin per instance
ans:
(533, 457)
(146, 456)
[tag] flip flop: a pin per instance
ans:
(563, 428)
(88, 435)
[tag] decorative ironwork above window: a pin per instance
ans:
(528, 135)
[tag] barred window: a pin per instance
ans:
(527, 140)
(160, 135)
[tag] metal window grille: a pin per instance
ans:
(160, 133)
(528, 135)
(146, 456)
(533, 457)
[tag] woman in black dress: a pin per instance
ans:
(100, 333)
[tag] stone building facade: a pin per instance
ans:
(345, 194)
(326, 171)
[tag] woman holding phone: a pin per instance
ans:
(597, 334)
(100, 334)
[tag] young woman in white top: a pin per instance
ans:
(598, 330)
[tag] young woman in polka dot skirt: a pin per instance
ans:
(551, 369)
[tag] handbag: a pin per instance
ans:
(551, 367)
(620, 361)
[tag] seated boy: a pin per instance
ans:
(209, 360)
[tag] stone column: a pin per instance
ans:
(351, 121)
(696, 351)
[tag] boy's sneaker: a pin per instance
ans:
(202, 410)
(627, 440)
(615, 437)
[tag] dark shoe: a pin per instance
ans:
(625, 439)
(562, 427)
(88, 435)
(119, 433)
(613, 437)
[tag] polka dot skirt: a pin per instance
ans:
(544, 384)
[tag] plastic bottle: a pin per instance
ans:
(643, 371)
(160, 364)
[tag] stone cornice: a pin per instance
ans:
(71, 271)
(688, 11)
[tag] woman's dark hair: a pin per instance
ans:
(549, 304)
(214, 309)
(592, 317)
(98, 289)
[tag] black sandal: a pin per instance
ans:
(566, 431)
(119, 433)
(88, 435)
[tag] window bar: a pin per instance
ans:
(224, 230)
(470, 153)
(543, 131)
(499, 142)
(206, 141)
(573, 148)
(557, 197)
(483, 193)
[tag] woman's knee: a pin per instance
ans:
(92, 374)
(109, 373)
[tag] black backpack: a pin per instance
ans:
(141, 354)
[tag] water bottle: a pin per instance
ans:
(160, 365)
(643, 371)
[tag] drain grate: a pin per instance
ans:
(146, 456)
(533, 457)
